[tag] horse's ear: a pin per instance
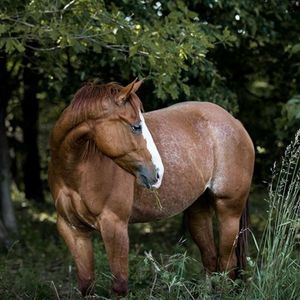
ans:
(126, 91)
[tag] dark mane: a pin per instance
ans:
(88, 102)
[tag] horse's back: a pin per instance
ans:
(192, 110)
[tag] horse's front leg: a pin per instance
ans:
(114, 232)
(80, 246)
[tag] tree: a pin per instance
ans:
(30, 111)
(8, 223)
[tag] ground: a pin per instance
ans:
(163, 259)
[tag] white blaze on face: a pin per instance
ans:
(155, 157)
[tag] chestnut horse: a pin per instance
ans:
(106, 157)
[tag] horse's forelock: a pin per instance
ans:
(89, 100)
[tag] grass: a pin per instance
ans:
(277, 274)
(163, 265)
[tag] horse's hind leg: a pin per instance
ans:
(80, 246)
(201, 229)
(229, 211)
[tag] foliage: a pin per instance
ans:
(161, 49)
(290, 117)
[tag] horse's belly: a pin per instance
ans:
(186, 176)
(163, 203)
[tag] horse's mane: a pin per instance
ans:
(88, 102)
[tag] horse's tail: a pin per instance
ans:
(242, 241)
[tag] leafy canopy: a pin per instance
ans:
(163, 43)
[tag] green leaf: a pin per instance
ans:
(19, 46)
(295, 49)
(186, 89)
(293, 108)
(3, 28)
(9, 46)
(133, 50)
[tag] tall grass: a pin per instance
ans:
(277, 275)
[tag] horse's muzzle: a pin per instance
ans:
(147, 177)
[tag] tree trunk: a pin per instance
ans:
(7, 219)
(7, 211)
(30, 109)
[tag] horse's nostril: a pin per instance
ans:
(157, 175)
(145, 181)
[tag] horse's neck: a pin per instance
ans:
(77, 152)
(66, 133)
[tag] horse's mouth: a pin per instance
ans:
(145, 182)
(146, 178)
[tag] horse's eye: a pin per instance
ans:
(136, 128)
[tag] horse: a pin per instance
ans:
(107, 158)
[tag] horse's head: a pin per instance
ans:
(122, 135)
